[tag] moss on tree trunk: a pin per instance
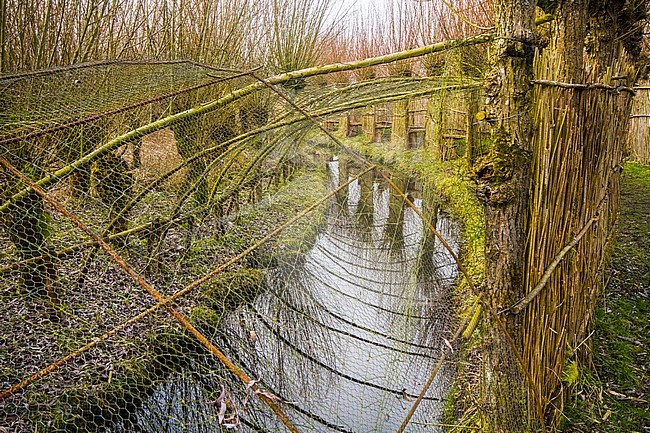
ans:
(27, 224)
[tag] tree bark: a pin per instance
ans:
(504, 182)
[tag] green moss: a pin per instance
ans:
(231, 289)
(96, 401)
(104, 398)
(205, 317)
(496, 167)
(449, 407)
(570, 374)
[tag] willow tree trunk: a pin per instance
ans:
(504, 181)
(27, 226)
(344, 126)
(434, 125)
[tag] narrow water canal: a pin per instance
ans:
(348, 335)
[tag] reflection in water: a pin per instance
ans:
(341, 174)
(394, 227)
(365, 206)
(347, 336)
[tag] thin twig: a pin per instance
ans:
(521, 304)
(584, 86)
(94, 64)
(92, 243)
(240, 93)
(434, 372)
(97, 116)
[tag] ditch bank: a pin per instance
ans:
(106, 384)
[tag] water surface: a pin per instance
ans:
(346, 336)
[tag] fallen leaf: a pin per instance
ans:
(221, 396)
(222, 412)
(252, 383)
(268, 395)
(626, 397)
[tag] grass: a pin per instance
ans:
(614, 397)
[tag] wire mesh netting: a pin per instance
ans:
(169, 267)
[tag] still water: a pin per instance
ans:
(346, 336)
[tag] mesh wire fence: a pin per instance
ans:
(129, 274)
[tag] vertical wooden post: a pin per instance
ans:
(399, 131)
(344, 125)
(368, 122)
(471, 139)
